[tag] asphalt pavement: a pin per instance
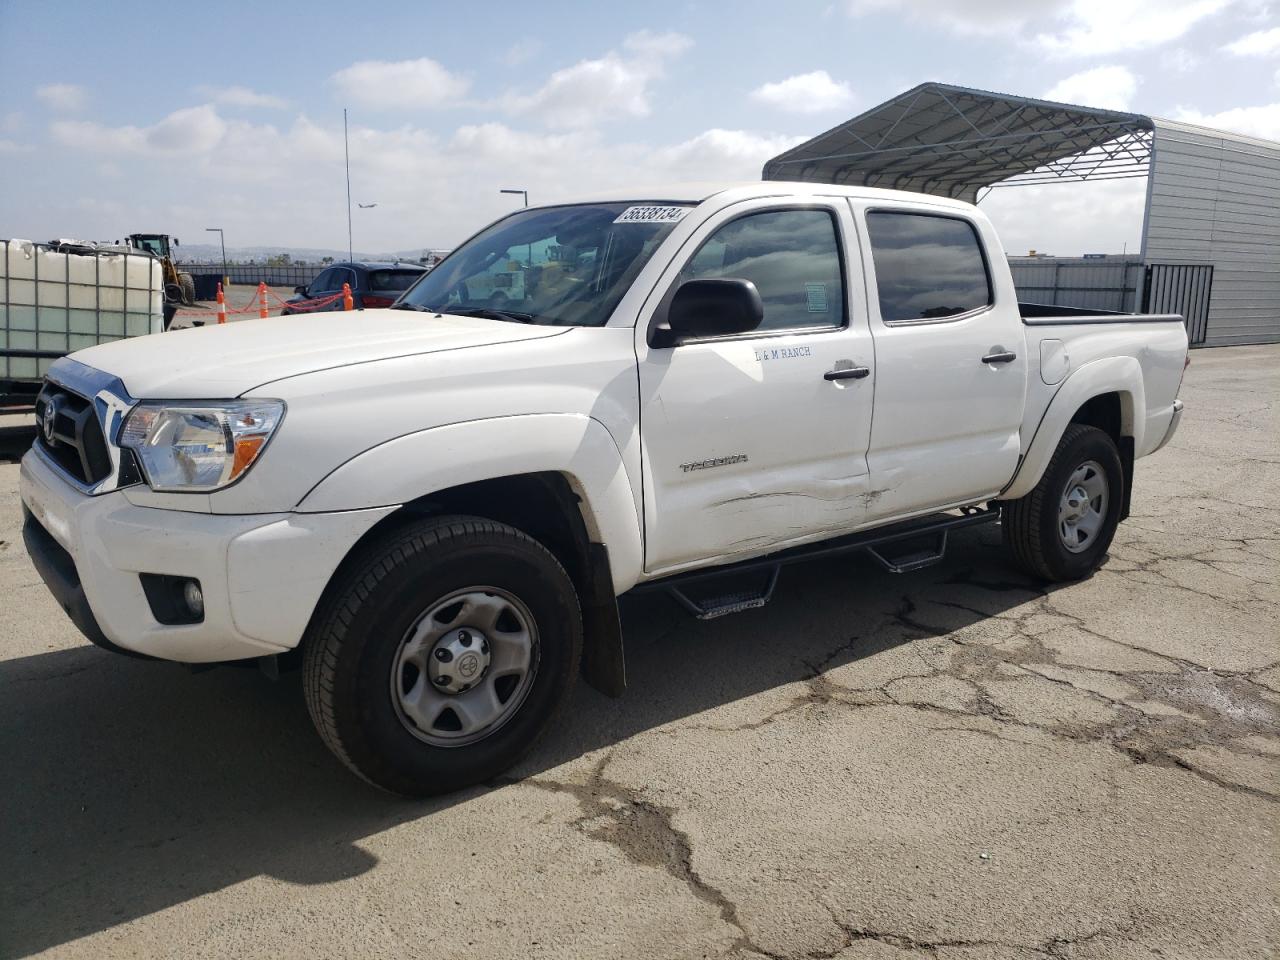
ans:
(956, 763)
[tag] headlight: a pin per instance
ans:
(197, 447)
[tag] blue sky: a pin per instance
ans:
(123, 117)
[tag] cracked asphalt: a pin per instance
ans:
(955, 764)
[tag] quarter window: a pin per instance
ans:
(927, 267)
(793, 258)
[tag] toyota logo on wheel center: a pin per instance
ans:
(468, 665)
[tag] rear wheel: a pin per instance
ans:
(188, 285)
(445, 652)
(1061, 530)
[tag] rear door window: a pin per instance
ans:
(793, 258)
(927, 267)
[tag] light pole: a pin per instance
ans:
(222, 240)
(525, 194)
(346, 157)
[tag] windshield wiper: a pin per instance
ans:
(492, 314)
(411, 306)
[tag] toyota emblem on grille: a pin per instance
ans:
(47, 420)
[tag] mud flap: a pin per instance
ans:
(603, 664)
(1126, 467)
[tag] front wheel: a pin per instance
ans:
(446, 650)
(1061, 530)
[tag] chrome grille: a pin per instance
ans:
(70, 432)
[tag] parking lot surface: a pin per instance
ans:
(956, 763)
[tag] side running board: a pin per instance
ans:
(748, 585)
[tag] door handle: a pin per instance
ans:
(848, 373)
(1007, 356)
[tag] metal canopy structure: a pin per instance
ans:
(953, 141)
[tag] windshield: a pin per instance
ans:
(566, 266)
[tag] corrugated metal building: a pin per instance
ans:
(1211, 229)
(1213, 198)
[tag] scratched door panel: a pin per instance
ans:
(746, 446)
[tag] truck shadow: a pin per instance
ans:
(132, 786)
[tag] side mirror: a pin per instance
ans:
(175, 242)
(710, 308)
(301, 290)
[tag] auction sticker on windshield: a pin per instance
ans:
(651, 215)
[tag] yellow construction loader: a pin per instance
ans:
(179, 287)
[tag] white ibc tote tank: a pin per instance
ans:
(56, 302)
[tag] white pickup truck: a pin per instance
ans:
(434, 506)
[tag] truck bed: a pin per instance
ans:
(1047, 313)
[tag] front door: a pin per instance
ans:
(746, 443)
(950, 375)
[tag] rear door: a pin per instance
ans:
(746, 443)
(950, 370)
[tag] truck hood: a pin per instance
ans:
(227, 360)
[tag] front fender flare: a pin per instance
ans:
(418, 464)
(1122, 375)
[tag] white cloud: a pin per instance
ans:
(432, 190)
(190, 131)
(242, 97)
(656, 47)
(989, 17)
(1089, 28)
(1179, 60)
(1261, 121)
(63, 97)
(380, 84)
(522, 51)
(1111, 88)
(1071, 28)
(722, 155)
(812, 92)
(1096, 216)
(13, 146)
(608, 87)
(1260, 43)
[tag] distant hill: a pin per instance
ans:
(212, 253)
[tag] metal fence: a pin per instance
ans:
(287, 275)
(1182, 288)
(1110, 283)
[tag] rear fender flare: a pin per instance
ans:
(1122, 375)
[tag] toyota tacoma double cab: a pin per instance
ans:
(435, 509)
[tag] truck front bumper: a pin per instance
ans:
(261, 575)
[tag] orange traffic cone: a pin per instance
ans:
(222, 306)
(262, 300)
(348, 302)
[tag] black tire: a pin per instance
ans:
(188, 285)
(353, 642)
(1030, 524)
